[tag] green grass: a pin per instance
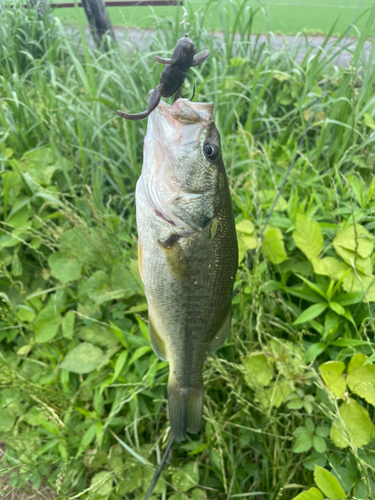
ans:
(282, 17)
(275, 411)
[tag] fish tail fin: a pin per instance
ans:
(185, 410)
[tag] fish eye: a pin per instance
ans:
(211, 151)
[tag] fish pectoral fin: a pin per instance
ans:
(221, 336)
(157, 343)
(195, 209)
(175, 258)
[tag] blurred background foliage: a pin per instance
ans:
(290, 397)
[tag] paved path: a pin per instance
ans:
(297, 45)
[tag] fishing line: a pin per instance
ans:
(157, 473)
(301, 142)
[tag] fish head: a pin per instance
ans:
(182, 155)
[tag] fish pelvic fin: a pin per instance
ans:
(185, 410)
(157, 343)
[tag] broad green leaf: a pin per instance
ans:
(331, 373)
(7, 419)
(305, 292)
(25, 314)
(319, 444)
(249, 242)
(310, 313)
(97, 288)
(116, 456)
(314, 350)
(322, 431)
(351, 284)
(357, 360)
(99, 335)
(313, 459)
(94, 458)
(311, 494)
(16, 266)
(245, 226)
(258, 369)
(68, 325)
(308, 236)
(138, 353)
(64, 267)
(347, 299)
(369, 121)
(198, 494)
(328, 483)
(363, 266)
(356, 239)
(346, 342)
(245, 243)
(47, 323)
(361, 381)
(187, 477)
(273, 245)
(101, 288)
(329, 266)
(101, 483)
(87, 438)
(136, 476)
(178, 496)
(120, 363)
(337, 308)
(122, 282)
(358, 425)
(276, 395)
(271, 286)
(40, 165)
(303, 443)
(319, 289)
(309, 424)
(82, 359)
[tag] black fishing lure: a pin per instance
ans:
(173, 75)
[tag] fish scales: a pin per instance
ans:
(187, 249)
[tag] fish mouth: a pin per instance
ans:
(180, 124)
(186, 111)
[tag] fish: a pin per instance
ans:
(187, 250)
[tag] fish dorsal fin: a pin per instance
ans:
(175, 258)
(221, 335)
(157, 343)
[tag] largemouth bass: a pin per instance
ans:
(187, 249)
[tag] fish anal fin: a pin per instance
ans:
(157, 343)
(175, 258)
(221, 335)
